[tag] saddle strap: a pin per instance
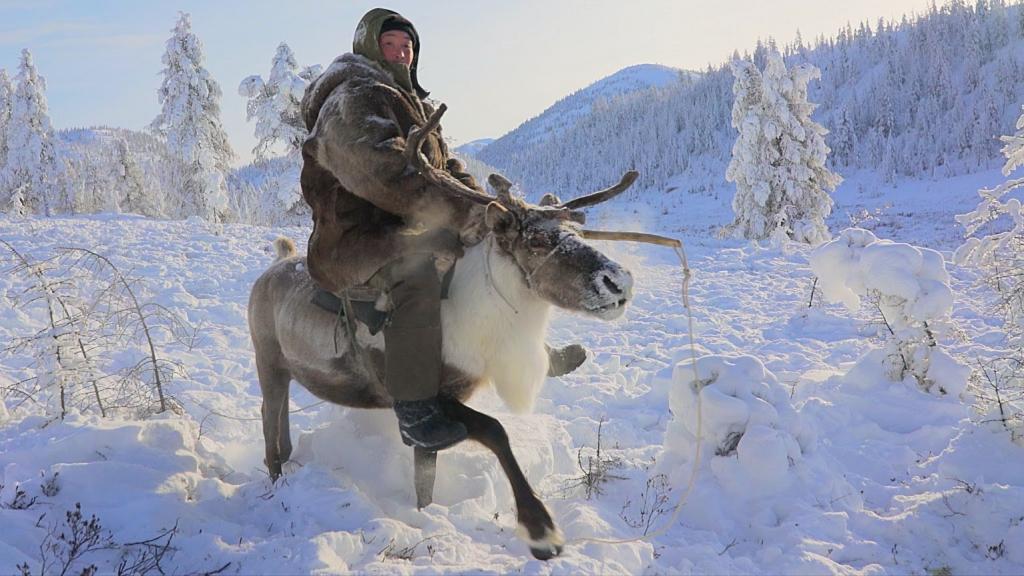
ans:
(364, 309)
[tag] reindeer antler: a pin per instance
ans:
(436, 177)
(504, 190)
(607, 194)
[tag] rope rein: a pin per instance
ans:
(685, 294)
(544, 260)
(491, 284)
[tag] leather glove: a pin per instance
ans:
(475, 228)
(457, 169)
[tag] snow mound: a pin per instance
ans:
(746, 421)
(759, 473)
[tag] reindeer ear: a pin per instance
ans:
(499, 219)
(550, 199)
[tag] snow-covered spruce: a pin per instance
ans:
(6, 92)
(189, 122)
(267, 191)
(778, 160)
(910, 286)
(274, 104)
(30, 178)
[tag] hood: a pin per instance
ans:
(366, 44)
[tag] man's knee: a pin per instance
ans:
(415, 293)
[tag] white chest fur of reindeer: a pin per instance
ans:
(496, 335)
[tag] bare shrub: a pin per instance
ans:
(596, 470)
(392, 551)
(65, 545)
(651, 505)
(146, 556)
(998, 387)
(21, 500)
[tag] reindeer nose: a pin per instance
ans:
(611, 285)
(618, 282)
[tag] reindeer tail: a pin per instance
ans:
(284, 247)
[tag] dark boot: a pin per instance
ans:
(562, 361)
(424, 425)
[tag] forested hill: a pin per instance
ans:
(578, 105)
(927, 96)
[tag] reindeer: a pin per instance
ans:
(493, 323)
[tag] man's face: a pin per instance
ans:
(396, 47)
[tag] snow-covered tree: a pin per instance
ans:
(778, 159)
(130, 184)
(267, 193)
(189, 122)
(909, 285)
(6, 93)
(844, 137)
(995, 234)
(274, 103)
(30, 176)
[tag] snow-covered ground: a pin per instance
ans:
(837, 471)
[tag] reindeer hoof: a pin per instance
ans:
(549, 543)
(546, 553)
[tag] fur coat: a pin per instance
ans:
(369, 206)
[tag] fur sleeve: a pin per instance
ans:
(358, 140)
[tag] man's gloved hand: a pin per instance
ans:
(457, 168)
(475, 228)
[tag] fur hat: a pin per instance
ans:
(367, 38)
(398, 22)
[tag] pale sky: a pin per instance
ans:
(496, 64)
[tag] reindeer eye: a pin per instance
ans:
(536, 242)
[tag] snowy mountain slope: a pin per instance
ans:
(885, 479)
(570, 109)
(926, 97)
(471, 148)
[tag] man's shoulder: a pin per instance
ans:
(349, 72)
(351, 66)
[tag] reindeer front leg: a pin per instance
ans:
(536, 525)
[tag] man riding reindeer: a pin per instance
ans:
(380, 225)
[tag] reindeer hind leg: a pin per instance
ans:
(274, 383)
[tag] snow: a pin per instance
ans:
(813, 459)
(472, 147)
